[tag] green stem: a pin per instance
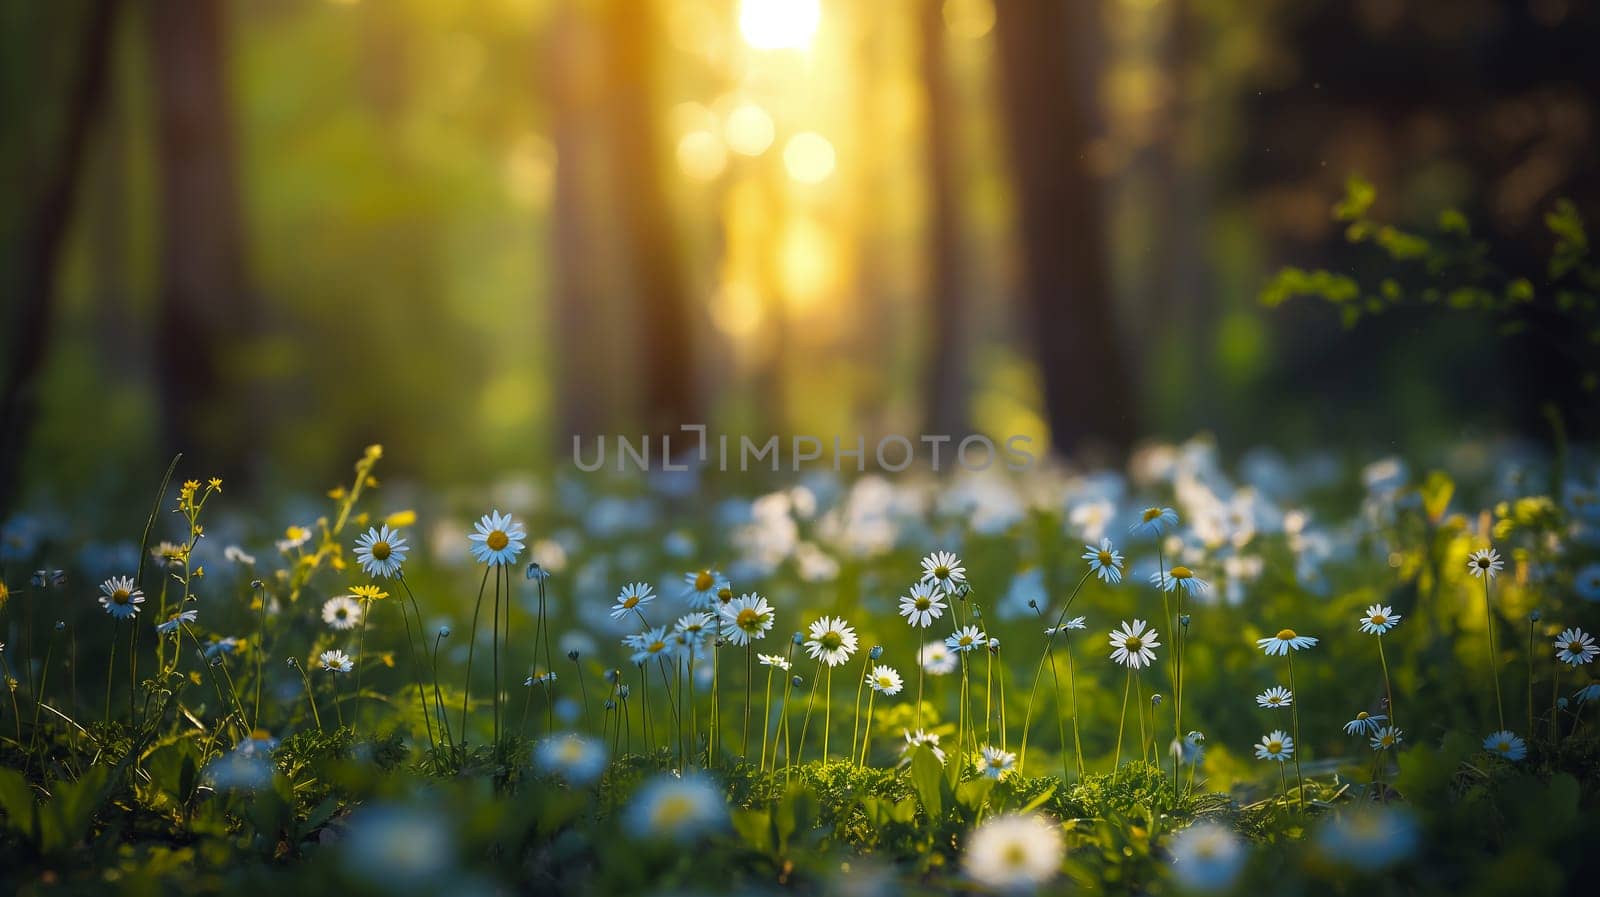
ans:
(1299, 747)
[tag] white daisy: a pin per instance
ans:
(885, 680)
(1074, 623)
(1285, 641)
(120, 597)
(1364, 723)
(1014, 853)
(919, 738)
(1275, 745)
(1275, 698)
(1133, 644)
(773, 660)
(649, 645)
(748, 618)
(1105, 561)
(1576, 647)
(380, 551)
(966, 639)
(694, 628)
(335, 661)
(670, 808)
(1379, 619)
(994, 762)
(1506, 744)
(700, 588)
(937, 659)
(341, 612)
(1207, 857)
(497, 539)
(179, 619)
(922, 606)
(944, 570)
(1154, 522)
(577, 759)
(1484, 562)
(1386, 738)
(633, 595)
(832, 641)
(1179, 579)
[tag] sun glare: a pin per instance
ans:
(779, 24)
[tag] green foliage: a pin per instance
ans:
(1454, 269)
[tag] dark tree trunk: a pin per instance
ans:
(577, 285)
(38, 247)
(1048, 89)
(206, 312)
(946, 371)
(665, 334)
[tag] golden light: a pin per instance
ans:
(701, 155)
(530, 170)
(970, 19)
(779, 24)
(736, 310)
(748, 130)
(806, 262)
(808, 157)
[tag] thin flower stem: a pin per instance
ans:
(1555, 708)
(919, 689)
(1494, 654)
(749, 686)
(544, 623)
(472, 647)
(1530, 674)
(855, 734)
(1388, 693)
(766, 725)
(988, 695)
(494, 664)
(866, 739)
(361, 642)
(1072, 691)
(1122, 720)
(111, 666)
(416, 665)
(333, 680)
(827, 712)
(310, 695)
(1299, 747)
(438, 696)
(260, 650)
(805, 723)
(583, 689)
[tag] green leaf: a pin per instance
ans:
(974, 793)
(926, 773)
(1359, 195)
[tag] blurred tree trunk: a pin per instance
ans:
(577, 297)
(38, 243)
(946, 371)
(663, 324)
(1048, 89)
(206, 311)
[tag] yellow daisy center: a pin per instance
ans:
(1182, 573)
(1105, 558)
(1361, 715)
(1575, 647)
(1151, 514)
(1133, 643)
(1379, 619)
(1015, 854)
(657, 646)
(703, 581)
(748, 619)
(1274, 747)
(725, 595)
(831, 640)
(941, 571)
(497, 540)
(1285, 635)
(672, 810)
(381, 551)
(922, 603)
(630, 601)
(121, 596)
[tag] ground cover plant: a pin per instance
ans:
(1173, 677)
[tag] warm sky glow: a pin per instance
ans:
(779, 24)
(809, 157)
